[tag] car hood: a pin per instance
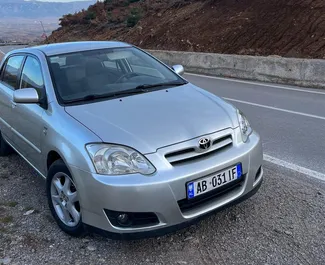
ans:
(149, 121)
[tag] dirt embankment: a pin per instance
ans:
(291, 28)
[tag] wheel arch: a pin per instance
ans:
(71, 156)
(52, 156)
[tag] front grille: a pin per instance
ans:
(187, 205)
(179, 153)
(193, 152)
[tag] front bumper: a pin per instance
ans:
(161, 193)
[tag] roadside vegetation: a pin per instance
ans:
(109, 12)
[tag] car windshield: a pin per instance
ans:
(87, 75)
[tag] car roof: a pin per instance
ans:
(70, 47)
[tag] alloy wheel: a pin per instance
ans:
(65, 199)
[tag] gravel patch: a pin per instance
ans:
(282, 224)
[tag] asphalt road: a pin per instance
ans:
(5, 49)
(284, 223)
(290, 120)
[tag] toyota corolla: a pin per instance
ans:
(127, 146)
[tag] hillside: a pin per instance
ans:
(36, 9)
(292, 28)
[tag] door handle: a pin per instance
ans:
(45, 130)
(13, 105)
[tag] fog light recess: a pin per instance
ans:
(128, 219)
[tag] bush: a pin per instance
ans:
(128, 2)
(71, 19)
(133, 18)
(111, 4)
(90, 15)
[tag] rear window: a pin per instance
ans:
(11, 71)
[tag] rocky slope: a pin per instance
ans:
(292, 28)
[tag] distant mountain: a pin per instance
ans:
(36, 9)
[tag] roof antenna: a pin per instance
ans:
(44, 33)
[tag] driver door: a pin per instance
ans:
(8, 83)
(28, 123)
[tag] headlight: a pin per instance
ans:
(245, 127)
(110, 159)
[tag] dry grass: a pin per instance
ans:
(6, 220)
(9, 204)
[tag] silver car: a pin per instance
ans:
(127, 146)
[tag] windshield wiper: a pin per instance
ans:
(147, 86)
(107, 95)
(138, 90)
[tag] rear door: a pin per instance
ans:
(28, 123)
(9, 77)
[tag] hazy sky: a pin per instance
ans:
(60, 0)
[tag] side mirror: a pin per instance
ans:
(26, 95)
(178, 69)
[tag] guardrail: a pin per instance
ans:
(276, 69)
(13, 44)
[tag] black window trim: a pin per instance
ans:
(2, 68)
(21, 71)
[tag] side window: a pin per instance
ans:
(112, 64)
(11, 71)
(32, 75)
(136, 61)
(141, 66)
(61, 60)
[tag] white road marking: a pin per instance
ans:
(303, 170)
(275, 108)
(2, 52)
(259, 84)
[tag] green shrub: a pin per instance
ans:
(90, 15)
(133, 17)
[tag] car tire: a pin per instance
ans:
(5, 149)
(63, 200)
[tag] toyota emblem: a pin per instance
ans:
(204, 143)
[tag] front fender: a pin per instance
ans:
(68, 138)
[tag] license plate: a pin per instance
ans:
(201, 186)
